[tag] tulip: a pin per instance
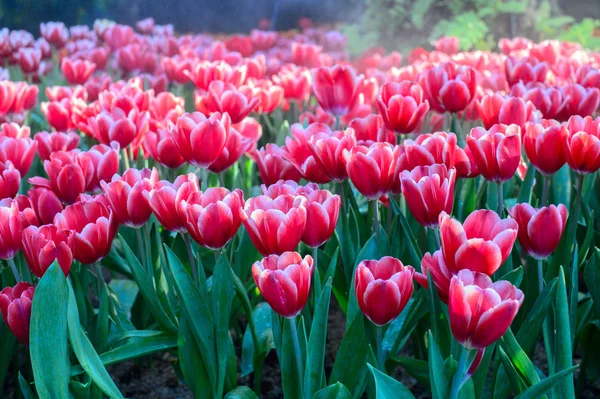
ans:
(263, 40)
(540, 229)
(548, 100)
(165, 197)
(441, 276)
(126, 197)
(10, 229)
(20, 152)
(212, 217)
(482, 243)
(288, 187)
(544, 145)
(402, 106)
(578, 101)
(47, 143)
(43, 245)
(161, 146)
(447, 44)
(481, 311)
(306, 54)
(269, 95)
(176, 69)
(166, 106)
(284, 281)
(296, 82)
(582, 144)
(58, 114)
(370, 129)
(322, 211)
(525, 70)
(273, 164)
(55, 33)
(28, 59)
(275, 225)
(328, 148)
(203, 73)
(449, 87)
(77, 72)
(496, 152)
(68, 175)
(371, 169)
(199, 139)
(429, 191)
(93, 227)
(118, 36)
(300, 155)
(226, 98)
(15, 131)
(26, 97)
(495, 109)
(116, 126)
(335, 89)
(15, 305)
(10, 180)
(235, 146)
(105, 161)
(383, 288)
(44, 203)
(7, 96)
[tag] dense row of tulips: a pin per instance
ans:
(410, 150)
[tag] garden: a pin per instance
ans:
(303, 213)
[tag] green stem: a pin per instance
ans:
(463, 365)
(222, 179)
(379, 338)
(125, 159)
(99, 276)
(297, 353)
(540, 270)
(545, 189)
(436, 235)
(192, 258)
(375, 209)
(141, 248)
(148, 250)
(316, 291)
(11, 263)
(500, 200)
(342, 197)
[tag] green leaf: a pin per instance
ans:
(546, 384)
(25, 388)
(351, 355)
(195, 309)
(415, 254)
(519, 359)
(388, 388)
(334, 391)
(402, 326)
(528, 334)
(527, 187)
(508, 370)
(48, 335)
(147, 291)
(261, 318)
(417, 368)
(563, 354)
(241, 392)
(222, 296)
(314, 375)
(439, 322)
(515, 277)
(7, 345)
(592, 279)
(440, 382)
(290, 379)
(85, 352)
(191, 363)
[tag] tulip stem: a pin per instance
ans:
(316, 291)
(375, 209)
(379, 340)
(190, 252)
(540, 270)
(125, 159)
(222, 179)
(141, 248)
(464, 363)
(11, 263)
(436, 235)
(545, 188)
(343, 197)
(500, 200)
(297, 353)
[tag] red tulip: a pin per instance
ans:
(93, 227)
(306, 54)
(145, 25)
(161, 146)
(548, 100)
(508, 46)
(429, 191)
(10, 180)
(495, 109)
(383, 288)
(263, 40)
(15, 305)
(447, 44)
(115, 126)
(284, 281)
(525, 70)
(235, 146)
(105, 161)
(540, 229)
(47, 143)
(199, 139)
(287, 187)
(26, 97)
(328, 148)
(226, 98)
(118, 36)
(450, 87)
(441, 276)
(126, 196)
(370, 129)
(273, 165)
(28, 59)
(402, 106)
(212, 217)
(77, 72)
(44, 203)
(543, 143)
(322, 211)
(482, 243)
(58, 114)
(582, 144)
(166, 106)
(578, 101)
(10, 228)
(15, 131)
(20, 152)
(57, 93)
(588, 76)
(43, 245)
(203, 73)
(176, 68)
(165, 197)
(299, 153)
(496, 152)
(269, 95)
(296, 82)
(481, 311)
(335, 89)
(371, 169)
(7, 96)
(275, 225)
(55, 33)
(68, 175)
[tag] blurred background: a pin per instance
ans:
(393, 24)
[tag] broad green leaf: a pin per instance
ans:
(417, 368)
(334, 391)
(516, 382)
(519, 359)
(314, 375)
(402, 326)
(415, 254)
(241, 392)
(514, 276)
(439, 322)
(527, 187)
(191, 363)
(563, 354)
(546, 384)
(351, 355)
(528, 334)
(290, 379)
(85, 352)
(222, 296)
(261, 319)
(440, 383)
(48, 335)
(388, 388)
(102, 320)
(592, 279)
(25, 388)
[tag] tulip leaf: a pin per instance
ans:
(162, 277)
(314, 375)
(241, 392)
(519, 359)
(260, 320)
(400, 329)
(439, 318)
(526, 190)
(592, 279)
(222, 297)
(334, 391)
(387, 387)
(351, 355)
(25, 388)
(563, 354)
(546, 384)
(440, 383)
(480, 377)
(415, 254)
(561, 186)
(191, 363)
(85, 352)
(195, 309)
(516, 382)
(528, 334)
(587, 241)
(417, 368)
(290, 375)
(574, 292)
(147, 291)
(8, 343)
(515, 277)
(48, 335)
(102, 321)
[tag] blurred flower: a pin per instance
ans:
(525, 70)
(77, 72)
(10, 237)
(47, 143)
(10, 180)
(335, 88)
(55, 33)
(20, 152)
(495, 109)
(226, 98)
(447, 44)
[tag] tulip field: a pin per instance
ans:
(278, 219)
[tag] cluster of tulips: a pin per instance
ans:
(465, 154)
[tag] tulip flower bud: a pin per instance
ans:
(43, 245)
(540, 229)
(371, 169)
(335, 88)
(544, 145)
(273, 165)
(165, 197)
(15, 305)
(402, 106)
(582, 143)
(10, 239)
(449, 87)
(496, 152)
